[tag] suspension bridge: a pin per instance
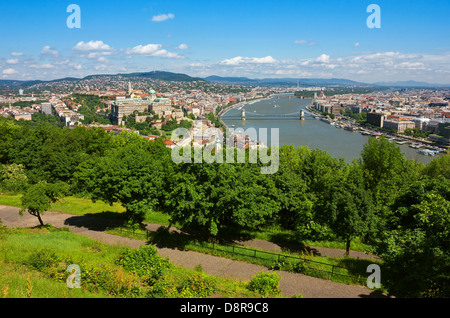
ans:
(300, 115)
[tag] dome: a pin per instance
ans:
(152, 91)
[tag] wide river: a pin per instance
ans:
(312, 133)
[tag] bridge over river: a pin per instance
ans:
(301, 115)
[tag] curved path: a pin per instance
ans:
(291, 284)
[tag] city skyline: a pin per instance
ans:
(255, 39)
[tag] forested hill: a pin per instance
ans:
(157, 75)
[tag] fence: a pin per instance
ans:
(272, 260)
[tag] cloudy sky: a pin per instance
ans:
(257, 39)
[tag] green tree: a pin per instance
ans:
(386, 173)
(13, 177)
(296, 206)
(134, 174)
(8, 132)
(216, 200)
(350, 208)
(439, 166)
(38, 198)
(415, 247)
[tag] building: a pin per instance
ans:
(375, 119)
(126, 107)
(398, 125)
(46, 108)
(24, 116)
(161, 105)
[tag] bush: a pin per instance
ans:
(190, 286)
(265, 283)
(144, 262)
(196, 286)
(43, 259)
(115, 281)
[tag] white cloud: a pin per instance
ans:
(309, 43)
(155, 50)
(16, 53)
(46, 50)
(42, 66)
(182, 46)
(92, 46)
(323, 58)
(248, 60)
(102, 59)
(9, 71)
(356, 44)
(162, 17)
(12, 61)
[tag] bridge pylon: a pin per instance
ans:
(243, 114)
(302, 115)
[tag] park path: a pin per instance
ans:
(291, 284)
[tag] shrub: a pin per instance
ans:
(144, 262)
(196, 286)
(265, 283)
(43, 259)
(115, 281)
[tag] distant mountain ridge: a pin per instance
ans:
(300, 81)
(170, 76)
(160, 75)
(410, 84)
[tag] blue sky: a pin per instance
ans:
(257, 39)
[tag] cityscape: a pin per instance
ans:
(231, 157)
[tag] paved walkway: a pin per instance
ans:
(291, 284)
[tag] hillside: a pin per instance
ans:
(157, 75)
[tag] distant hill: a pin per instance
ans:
(230, 80)
(160, 75)
(410, 84)
(290, 81)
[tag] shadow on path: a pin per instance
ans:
(94, 223)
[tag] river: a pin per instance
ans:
(313, 133)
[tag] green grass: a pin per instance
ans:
(19, 280)
(286, 239)
(10, 199)
(84, 206)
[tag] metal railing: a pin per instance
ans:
(272, 260)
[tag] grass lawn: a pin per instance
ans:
(19, 277)
(83, 206)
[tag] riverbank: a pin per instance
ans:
(424, 147)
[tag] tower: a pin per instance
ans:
(129, 88)
(152, 95)
(243, 114)
(302, 114)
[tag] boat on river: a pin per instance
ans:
(427, 152)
